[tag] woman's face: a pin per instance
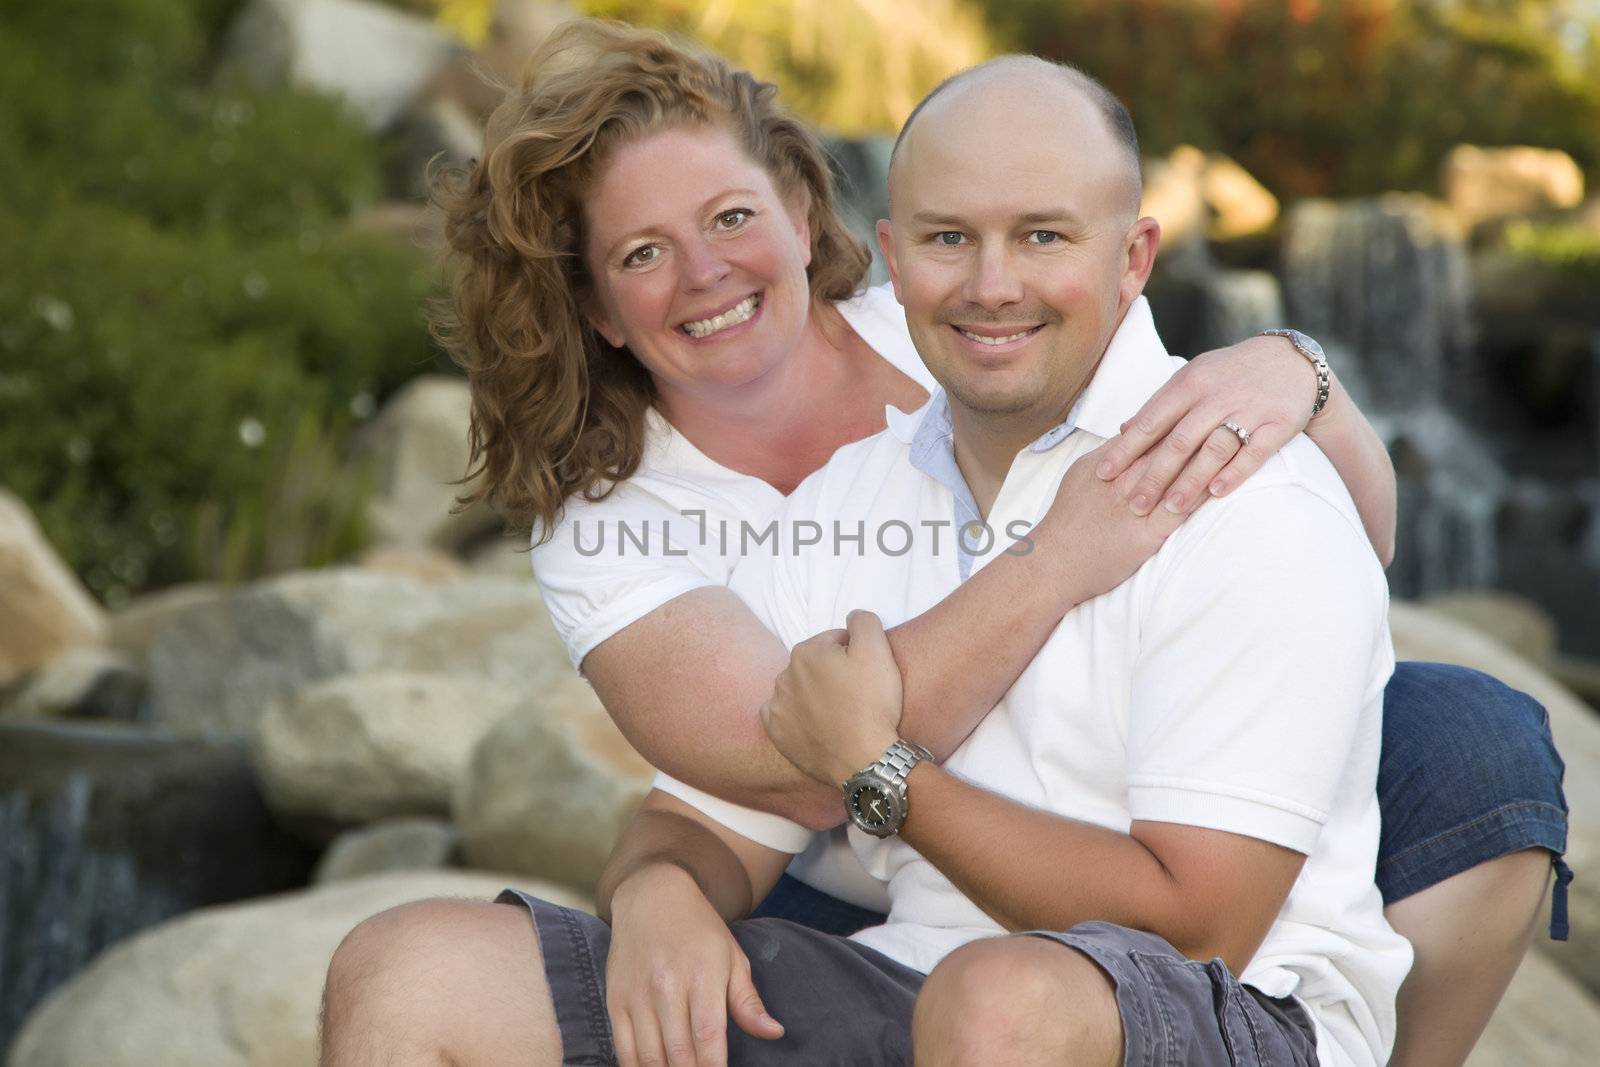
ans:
(699, 264)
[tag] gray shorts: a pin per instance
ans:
(844, 1003)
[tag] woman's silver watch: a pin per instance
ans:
(875, 796)
(1309, 348)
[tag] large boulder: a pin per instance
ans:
(1194, 194)
(1515, 621)
(419, 442)
(377, 59)
(105, 831)
(217, 667)
(87, 682)
(133, 628)
(549, 792)
(44, 609)
(403, 844)
(1427, 635)
(363, 747)
(1488, 184)
(1545, 1018)
(236, 986)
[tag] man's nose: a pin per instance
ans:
(704, 264)
(994, 281)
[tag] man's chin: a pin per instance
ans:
(992, 403)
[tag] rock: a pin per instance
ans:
(426, 565)
(1420, 633)
(133, 628)
(502, 555)
(548, 793)
(437, 132)
(1545, 1018)
(44, 609)
(1202, 306)
(106, 831)
(1488, 184)
(236, 986)
(217, 667)
(85, 682)
(363, 747)
(374, 57)
(1239, 205)
(419, 442)
(1194, 194)
(1515, 621)
(391, 845)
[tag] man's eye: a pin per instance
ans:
(640, 256)
(948, 238)
(731, 220)
(1044, 237)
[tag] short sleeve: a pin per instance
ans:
(609, 563)
(1263, 648)
(764, 828)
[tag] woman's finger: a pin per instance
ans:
(622, 1039)
(677, 1034)
(1265, 442)
(1170, 457)
(1153, 422)
(1189, 488)
(708, 1024)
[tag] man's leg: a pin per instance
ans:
(1017, 1000)
(1100, 994)
(438, 983)
(1470, 787)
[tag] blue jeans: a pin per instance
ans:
(1469, 772)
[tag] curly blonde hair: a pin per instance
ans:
(555, 409)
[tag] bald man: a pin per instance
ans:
(1185, 773)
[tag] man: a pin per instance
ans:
(1185, 772)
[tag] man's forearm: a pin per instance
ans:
(659, 837)
(1031, 869)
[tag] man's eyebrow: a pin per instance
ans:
(1061, 216)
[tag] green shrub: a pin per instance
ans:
(188, 325)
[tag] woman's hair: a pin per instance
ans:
(555, 409)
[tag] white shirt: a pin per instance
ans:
(680, 522)
(1235, 682)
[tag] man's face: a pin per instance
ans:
(1009, 248)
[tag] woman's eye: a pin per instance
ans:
(730, 220)
(640, 256)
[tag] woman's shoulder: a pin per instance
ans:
(879, 320)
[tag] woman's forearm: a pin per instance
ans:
(1358, 454)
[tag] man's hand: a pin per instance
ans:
(836, 707)
(675, 975)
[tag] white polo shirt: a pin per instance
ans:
(1235, 682)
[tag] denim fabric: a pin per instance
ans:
(1469, 772)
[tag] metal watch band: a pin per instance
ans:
(1310, 349)
(897, 762)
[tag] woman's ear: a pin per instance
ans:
(602, 323)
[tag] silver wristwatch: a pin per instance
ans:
(875, 796)
(1309, 348)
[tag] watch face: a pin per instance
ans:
(873, 807)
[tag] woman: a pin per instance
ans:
(660, 314)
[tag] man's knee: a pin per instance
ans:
(1017, 999)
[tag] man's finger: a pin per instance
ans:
(866, 631)
(746, 1009)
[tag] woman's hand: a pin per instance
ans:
(1261, 385)
(675, 975)
(1092, 531)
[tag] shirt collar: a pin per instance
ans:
(1135, 365)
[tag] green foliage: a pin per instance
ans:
(188, 325)
(1331, 97)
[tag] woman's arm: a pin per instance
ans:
(686, 681)
(1266, 387)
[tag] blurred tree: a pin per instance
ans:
(853, 67)
(1332, 97)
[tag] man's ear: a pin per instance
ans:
(1143, 240)
(886, 246)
